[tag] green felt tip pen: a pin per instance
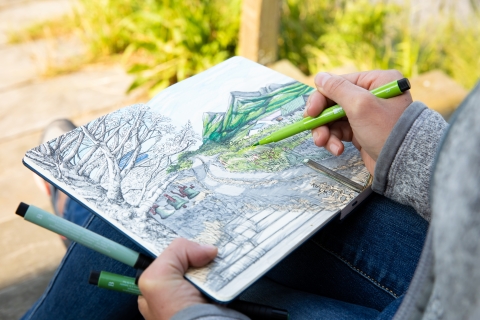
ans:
(83, 236)
(115, 282)
(333, 113)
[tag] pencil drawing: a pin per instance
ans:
(161, 176)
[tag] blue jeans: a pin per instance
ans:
(359, 268)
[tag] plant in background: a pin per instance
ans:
(323, 35)
(164, 41)
(358, 34)
(161, 41)
(462, 50)
(303, 22)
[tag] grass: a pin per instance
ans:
(165, 41)
(58, 27)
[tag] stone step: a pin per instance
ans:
(16, 15)
(30, 108)
(27, 250)
(19, 297)
(25, 63)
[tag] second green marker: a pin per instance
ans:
(333, 113)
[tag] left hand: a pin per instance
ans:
(164, 289)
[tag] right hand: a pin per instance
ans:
(369, 119)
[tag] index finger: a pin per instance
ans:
(369, 80)
(317, 102)
(372, 79)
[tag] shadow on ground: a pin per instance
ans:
(17, 299)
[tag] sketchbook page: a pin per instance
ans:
(182, 165)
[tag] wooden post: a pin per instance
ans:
(259, 30)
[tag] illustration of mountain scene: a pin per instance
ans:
(183, 165)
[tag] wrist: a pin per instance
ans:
(392, 144)
(408, 158)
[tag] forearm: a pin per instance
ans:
(403, 168)
(208, 312)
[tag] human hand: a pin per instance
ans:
(369, 119)
(164, 290)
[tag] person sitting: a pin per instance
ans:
(378, 264)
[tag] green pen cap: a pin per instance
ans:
(115, 282)
(83, 236)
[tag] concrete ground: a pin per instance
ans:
(29, 101)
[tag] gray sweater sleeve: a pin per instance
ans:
(403, 168)
(208, 312)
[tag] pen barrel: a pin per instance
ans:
(285, 132)
(115, 282)
(336, 112)
(328, 115)
(81, 235)
(389, 90)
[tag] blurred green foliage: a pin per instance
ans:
(322, 35)
(161, 41)
(165, 41)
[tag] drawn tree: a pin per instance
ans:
(121, 158)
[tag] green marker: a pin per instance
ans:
(115, 282)
(333, 113)
(83, 236)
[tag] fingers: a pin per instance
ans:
(372, 79)
(316, 103)
(175, 260)
(181, 254)
(164, 289)
(331, 136)
(334, 145)
(371, 119)
(143, 307)
(321, 135)
(189, 253)
(342, 91)
(368, 80)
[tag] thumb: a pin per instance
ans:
(184, 253)
(340, 90)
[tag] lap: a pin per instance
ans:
(358, 267)
(366, 261)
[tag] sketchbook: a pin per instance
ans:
(182, 165)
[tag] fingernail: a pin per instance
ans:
(321, 78)
(315, 136)
(334, 148)
(307, 105)
(207, 247)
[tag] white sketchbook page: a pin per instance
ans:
(181, 165)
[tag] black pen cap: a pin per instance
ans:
(143, 261)
(22, 209)
(94, 277)
(139, 273)
(403, 84)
